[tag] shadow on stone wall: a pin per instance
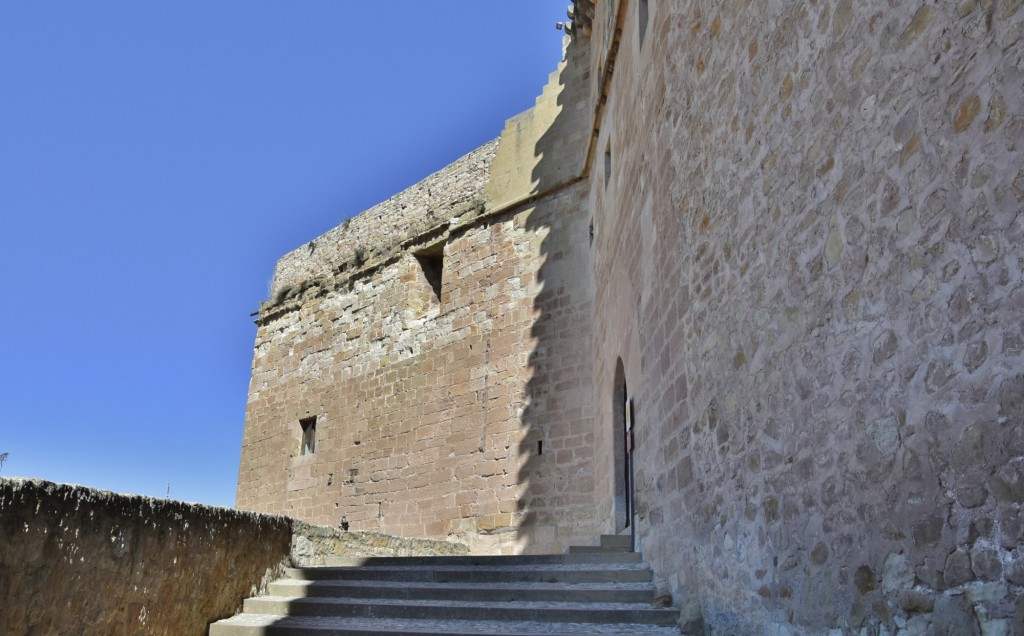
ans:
(556, 476)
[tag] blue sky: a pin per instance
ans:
(156, 158)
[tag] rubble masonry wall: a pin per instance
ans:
(815, 215)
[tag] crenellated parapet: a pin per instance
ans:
(581, 18)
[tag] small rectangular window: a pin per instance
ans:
(642, 5)
(431, 261)
(308, 435)
(607, 163)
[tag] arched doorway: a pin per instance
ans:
(622, 421)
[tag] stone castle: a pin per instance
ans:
(746, 283)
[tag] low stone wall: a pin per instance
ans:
(75, 560)
(316, 545)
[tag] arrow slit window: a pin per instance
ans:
(308, 426)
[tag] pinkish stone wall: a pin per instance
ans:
(463, 415)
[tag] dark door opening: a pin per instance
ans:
(623, 426)
(627, 460)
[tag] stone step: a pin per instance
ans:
(610, 544)
(535, 611)
(607, 556)
(599, 593)
(490, 592)
(268, 625)
(596, 550)
(578, 573)
(620, 541)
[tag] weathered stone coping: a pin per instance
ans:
(293, 297)
(455, 191)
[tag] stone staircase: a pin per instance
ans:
(591, 590)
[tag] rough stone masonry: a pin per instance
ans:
(780, 241)
(438, 345)
(76, 560)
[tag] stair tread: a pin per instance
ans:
(420, 627)
(616, 555)
(533, 585)
(559, 605)
(561, 567)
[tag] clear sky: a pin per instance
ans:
(156, 158)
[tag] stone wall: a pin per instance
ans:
(75, 560)
(808, 258)
(381, 231)
(321, 545)
(428, 409)
(449, 376)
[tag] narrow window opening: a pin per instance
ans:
(642, 6)
(431, 261)
(540, 447)
(308, 426)
(607, 164)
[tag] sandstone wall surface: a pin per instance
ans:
(427, 410)
(446, 406)
(79, 561)
(450, 193)
(814, 215)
